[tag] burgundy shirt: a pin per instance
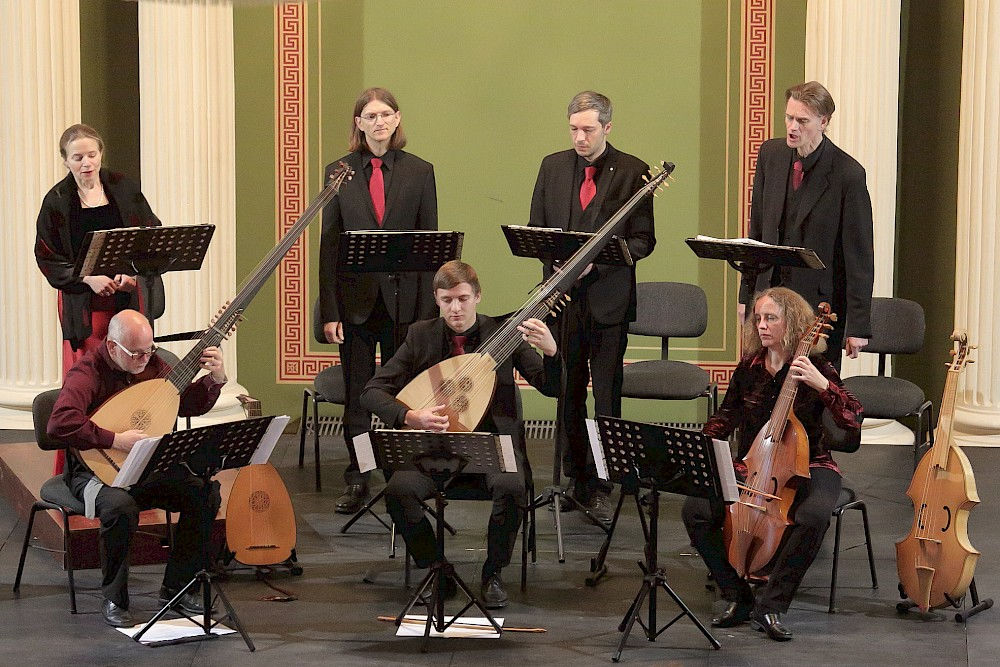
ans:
(94, 379)
(751, 397)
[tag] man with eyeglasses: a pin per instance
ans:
(392, 190)
(126, 357)
(578, 190)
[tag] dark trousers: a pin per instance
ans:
(357, 355)
(118, 511)
(407, 488)
(590, 351)
(814, 503)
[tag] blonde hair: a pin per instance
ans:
(79, 131)
(799, 317)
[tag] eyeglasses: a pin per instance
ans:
(136, 356)
(385, 115)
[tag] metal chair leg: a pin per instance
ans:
(24, 547)
(302, 428)
(868, 543)
(319, 483)
(839, 513)
(68, 560)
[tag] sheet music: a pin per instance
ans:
(595, 446)
(270, 439)
(136, 462)
(363, 451)
(507, 453)
(727, 474)
(738, 241)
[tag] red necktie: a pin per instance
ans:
(588, 188)
(796, 174)
(458, 345)
(376, 186)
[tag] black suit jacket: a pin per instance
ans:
(410, 203)
(612, 295)
(834, 218)
(427, 343)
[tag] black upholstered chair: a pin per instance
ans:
(669, 310)
(328, 387)
(839, 441)
(897, 328)
(54, 494)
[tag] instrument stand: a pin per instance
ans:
(960, 616)
(752, 259)
(148, 252)
(205, 452)
(441, 457)
(550, 244)
(661, 459)
(395, 253)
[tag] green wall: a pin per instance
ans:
(483, 90)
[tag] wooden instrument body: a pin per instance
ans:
(260, 520)
(464, 384)
(936, 561)
(150, 406)
(756, 523)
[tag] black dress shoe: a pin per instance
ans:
(115, 616)
(493, 594)
(600, 507)
(735, 613)
(190, 602)
(772, 625)
(449, 591)
(352, 499)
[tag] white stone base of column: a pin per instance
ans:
(885, 432)
(978, 421)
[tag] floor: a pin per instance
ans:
(348, 581)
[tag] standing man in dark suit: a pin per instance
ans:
(392, 190)
(807, 192)
(578, 190)
(458, 330)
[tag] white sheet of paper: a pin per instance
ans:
(595, 446)
(727, 475)
(136, 462)
(174, 628)
(737, 241)
(270, 439)
(417, 629)
(363, 450)
(507, 448)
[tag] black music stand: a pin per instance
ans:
(660, 458)
(556, 245)
(395, 252)
(205, 452)
(441, 457)
(145, 251)
(753, 258)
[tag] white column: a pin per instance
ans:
(39, 98)
(187, 122)
(852, 48)
(977, 274)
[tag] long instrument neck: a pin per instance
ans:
(545, 297)
(188, 367)
(786, 398)
(942, 434)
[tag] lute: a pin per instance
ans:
(465, 384)
(151, 406)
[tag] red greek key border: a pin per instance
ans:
(295, 362)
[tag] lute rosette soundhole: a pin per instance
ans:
(459, 403)
(140, 420)
(260, 501)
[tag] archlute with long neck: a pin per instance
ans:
(464, 384)
(152, 406)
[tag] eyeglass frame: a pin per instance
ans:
(372, 117)
(136, 356)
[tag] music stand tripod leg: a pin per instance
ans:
(367, 508)
(598, 567)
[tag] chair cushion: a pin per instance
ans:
(886, 397)
(329, 384)
(664, 379)
(56, 492)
